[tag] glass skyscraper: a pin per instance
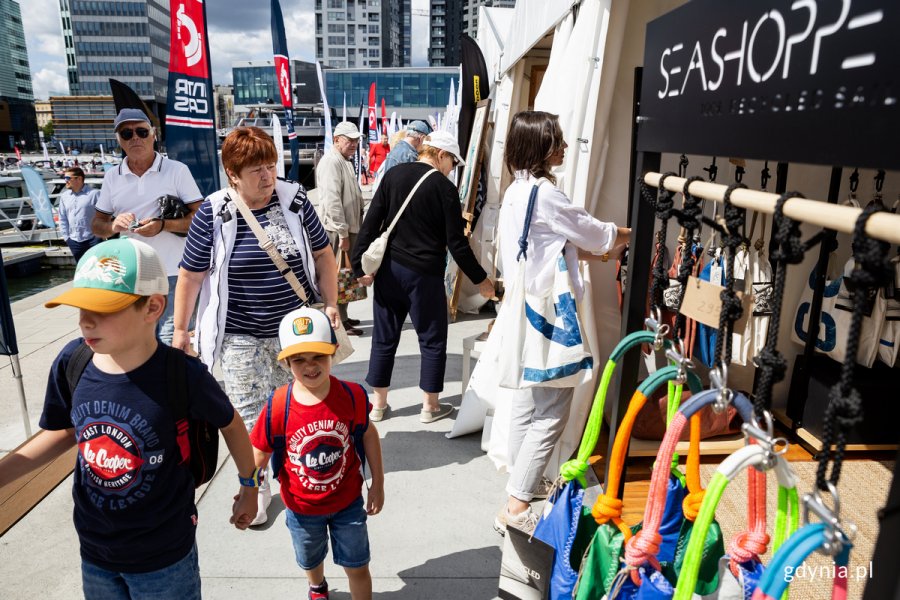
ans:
(127, 40)
(15, 75)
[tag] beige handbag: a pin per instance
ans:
(344, 348)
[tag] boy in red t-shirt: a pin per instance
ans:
(321, 479)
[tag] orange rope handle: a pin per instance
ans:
(696, 493)
(608, 506)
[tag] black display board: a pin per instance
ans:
(794, 80)
(8, 344)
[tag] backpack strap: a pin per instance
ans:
(176, 382)
(359, 425)
(78, 362)
(278, 405)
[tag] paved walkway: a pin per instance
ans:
(433, 541)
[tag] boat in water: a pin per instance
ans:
(18, 223)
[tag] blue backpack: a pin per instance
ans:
(278, 405)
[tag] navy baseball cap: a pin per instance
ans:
(420, 127)
(129, 115)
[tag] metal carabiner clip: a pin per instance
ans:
(718, 379)
(837, 533)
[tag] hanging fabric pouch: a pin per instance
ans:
(543, 338)
(872, 324)
(889, 342)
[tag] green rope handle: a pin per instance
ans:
(577, 467)
(694, 554)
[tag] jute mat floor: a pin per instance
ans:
(863, 490)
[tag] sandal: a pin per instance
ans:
(378, 414)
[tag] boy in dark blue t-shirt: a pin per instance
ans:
(134, 496)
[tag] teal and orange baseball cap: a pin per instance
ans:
(306, 330)
(113, 275)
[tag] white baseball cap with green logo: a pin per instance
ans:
(113, 275)
(306, 330)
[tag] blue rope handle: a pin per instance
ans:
(523, 240)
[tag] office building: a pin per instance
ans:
(470, 13)
(15, 75)
(223, 95)
(446, 25)
(43, 112)
(127, 41)
(255, 83)
(413, 92)
(363, 33)
(84, 122)
(18, 123)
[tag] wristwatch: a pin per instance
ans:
(254, 480)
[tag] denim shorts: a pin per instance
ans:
(349, 537)
(179, 580)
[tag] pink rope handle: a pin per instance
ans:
(752, 543)
(644, 545)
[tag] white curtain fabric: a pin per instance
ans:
(575, 66)
(531, 21)
(585, 111)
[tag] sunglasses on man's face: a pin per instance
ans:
(68, 177)
(127, 134)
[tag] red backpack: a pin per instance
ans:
(281, 408)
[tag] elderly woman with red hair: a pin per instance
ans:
(243, 296)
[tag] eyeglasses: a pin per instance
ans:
(127, 134)
(68, 177)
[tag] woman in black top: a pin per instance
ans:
(411, 277)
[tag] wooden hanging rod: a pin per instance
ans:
(883, 226)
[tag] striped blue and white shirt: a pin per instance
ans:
(258, 295)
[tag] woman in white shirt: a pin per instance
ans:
(534, 146)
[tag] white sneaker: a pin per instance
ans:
(525, 521)
(264, 499)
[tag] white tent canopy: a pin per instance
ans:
(531, 21)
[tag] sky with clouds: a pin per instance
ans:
(238, 30)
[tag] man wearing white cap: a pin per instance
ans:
(340, 203)
(405, 151)
(129, 200)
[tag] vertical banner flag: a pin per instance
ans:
(18, 153)
(47, 152)
(8, 345)
(283, 76)
(392, 126)
(102, 154)
(384, 123)
(373, 126)
(279, 145)
(190, 126)
(325, 110)
(40, 200)
(344, 114)
(357, 158)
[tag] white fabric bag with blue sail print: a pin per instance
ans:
(543, 341)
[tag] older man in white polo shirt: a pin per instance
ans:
(129, 200)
